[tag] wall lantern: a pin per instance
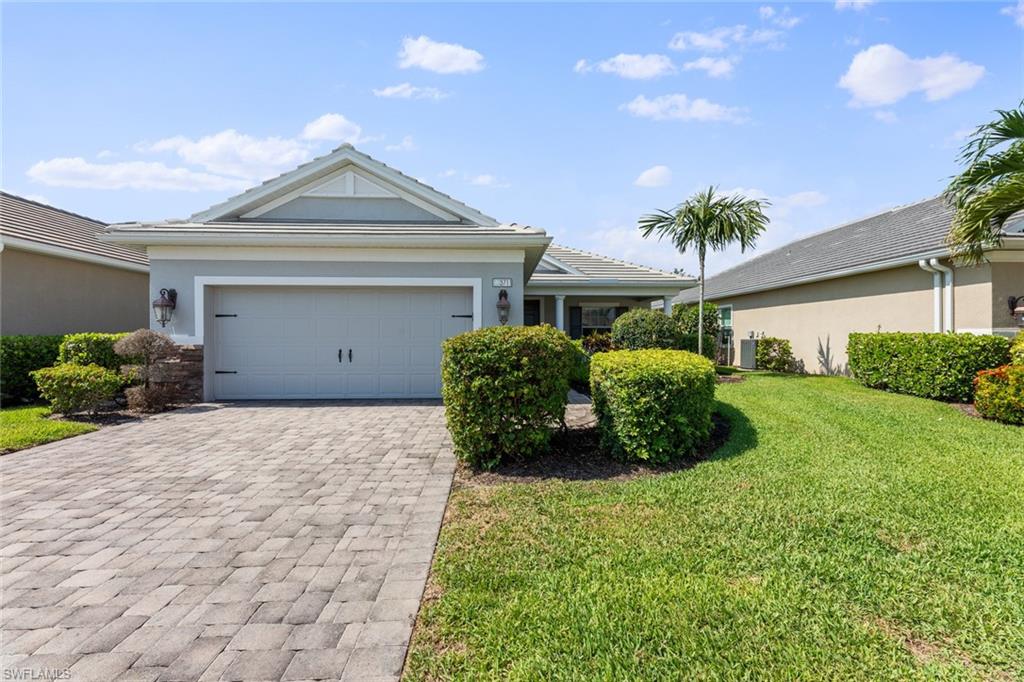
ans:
(1016, 304)
(503, 307)
(164, 306)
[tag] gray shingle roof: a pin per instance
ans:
(900, 234)
(595, 268)
(29, 220)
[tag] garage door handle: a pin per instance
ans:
(468, 317)
(224, 371)
(339, 355)
(350, 355)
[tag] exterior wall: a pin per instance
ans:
(350, 208)
(180, 274)
(42, 294)
(900, 299)
(1007, 280)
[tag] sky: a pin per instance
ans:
(574, 118)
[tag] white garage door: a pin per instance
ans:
(306, 342)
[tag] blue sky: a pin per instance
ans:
(541, 114)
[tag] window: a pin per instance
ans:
(531, 312)
(725, 315)
(598, 319)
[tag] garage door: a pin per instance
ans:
(306, 342)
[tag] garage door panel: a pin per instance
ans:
(285, 342)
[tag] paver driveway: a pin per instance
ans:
(232, 542)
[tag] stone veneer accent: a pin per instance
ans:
(181, 371)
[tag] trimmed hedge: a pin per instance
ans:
(71, 388)
(19, 357)
(775, 355)
(686, 316)
(503, 389)
(929, 365)
(689, 342)
(1017, 349)
(643, 328)
(580, 372)
(92, 348)
(999, 393)
(652, 405)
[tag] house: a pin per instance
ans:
(890, 272)
(56, 276)
(341, 278)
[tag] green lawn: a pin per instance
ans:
(23, 427)
(842, 533)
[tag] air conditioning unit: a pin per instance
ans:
(748, 353)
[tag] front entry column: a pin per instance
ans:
(668, 305)
(560, 312)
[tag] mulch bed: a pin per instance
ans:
(966, 408)
(576, 455)
(105, 418)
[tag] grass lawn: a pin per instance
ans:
(841, 533)
(23, 427)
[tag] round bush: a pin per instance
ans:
(652, 405)
(503, 389)
(73, 388)
(999, 393)
(91, 348)
(775, 355)
(686, 316)
(643, 328)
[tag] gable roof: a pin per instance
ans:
(34, 226)
(566, 265)
(892, 238)
(319, 169)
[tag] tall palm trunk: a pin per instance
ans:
(700, 308)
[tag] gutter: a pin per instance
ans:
(936, 294)
(947, 276)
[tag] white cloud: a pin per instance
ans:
(105, 154)
(406, 145)
(766, 12)
(714, 66)
(77, 172)
(431, 55)
(885, 116)
(783, 19)
(1015, 11)
(410, 91)
(855, 5)
(632, 66)
(655, 176)
(679, 107)
(627, 243)
(333, 128)
(883, 74)
(487, 180)
(451, 172)
(232, 153)
(723, 37)
(784, 204)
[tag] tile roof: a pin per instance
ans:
(596, 269)
(35, 222)
(900, 234)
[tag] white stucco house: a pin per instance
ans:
(341, 278)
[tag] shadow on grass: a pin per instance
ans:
(576, 455)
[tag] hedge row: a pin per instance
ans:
(19, 357)
(652, 405)
(929, 365)
(644, 328)
(92, 348)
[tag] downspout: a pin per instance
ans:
(936, 294)
(947, 273)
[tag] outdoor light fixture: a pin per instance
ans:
(1016, 304)
(503, 307)
(164, 306)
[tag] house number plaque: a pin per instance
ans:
(501, 282)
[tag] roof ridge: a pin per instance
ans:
(618, 260)
(52, 208)
(834, 228)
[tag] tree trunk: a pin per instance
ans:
(700, 309)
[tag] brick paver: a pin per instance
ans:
(224, 542)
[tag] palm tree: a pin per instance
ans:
(708, 220)
(991, 187)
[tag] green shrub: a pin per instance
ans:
(775, 355)
(643, 328)
(929, 365)
(91, 348)
(19, 357)
(580, 372)
(999, 393)
(686, 316)
(504, 388)
(689, 342)
(1017, 349)
(73, 388)
(597, 342)
(652, 405)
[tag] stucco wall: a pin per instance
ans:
(180, 274)
(891, 300)
(49, 295)
(1007, 280)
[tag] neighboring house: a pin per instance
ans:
(888, 272)
(340, 279)
(56, 277)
